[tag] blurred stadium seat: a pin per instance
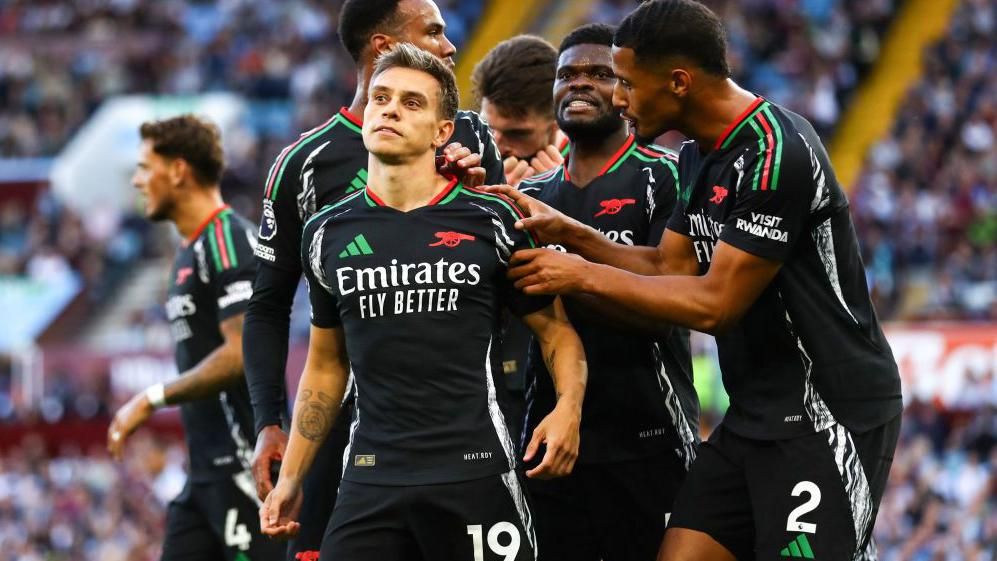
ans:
(81, 285)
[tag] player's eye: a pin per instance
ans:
(564, 76)
(604, 75)
(412, 104)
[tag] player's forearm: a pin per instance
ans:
(316, 407)
(265, 341)
(685, 301)
(592, 245)
(565, 359)
(214, 373)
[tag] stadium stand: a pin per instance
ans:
(807, 56)
(924, 205)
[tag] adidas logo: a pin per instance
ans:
(358, 246)
(358, 182)
(798, 548)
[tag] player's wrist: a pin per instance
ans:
(156, 396)
(580, 238)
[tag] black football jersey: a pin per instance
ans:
(211, 281)
(640, 399)
(419, 295)
(810, 351)
(329, 162)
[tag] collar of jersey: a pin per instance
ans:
(452, 187)
(737, 125)
(345, 112)
(613, 161)
(197, 233)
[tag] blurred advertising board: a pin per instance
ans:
(953, 365)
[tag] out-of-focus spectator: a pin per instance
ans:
(81, 506)
(926, 204)
(808, 56)
(939, 503)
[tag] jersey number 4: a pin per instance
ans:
(236, 535)
(508, 551)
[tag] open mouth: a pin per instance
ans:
(579, 104)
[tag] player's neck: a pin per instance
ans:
(714, 110)
(359, 102)
(589, 154)
(194, 210)
(408, 185)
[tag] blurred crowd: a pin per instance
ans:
(941, 500)
(806, 55)
(926, 204)
(44, 240)
(78, 505)
(59, 59)
(924, 208)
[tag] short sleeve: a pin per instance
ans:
(663, 196)
(491, 160)
(517, 302)
(772, 208)
(678, 222)
(230, 245)
(280, 225)
(473, 132)
(324, 305)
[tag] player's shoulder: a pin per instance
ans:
(470, 126)
(226, 241)
(356, 200)
(495, 204)
(651, 155)
(293, 155)
(542, 181)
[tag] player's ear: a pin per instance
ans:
(380, 44)
(680, 82)
(177, 169)
(444, 130)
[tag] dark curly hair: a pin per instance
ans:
(685, 28)
(359, 19)
(192, 139)
(588, 34)
(517, 76)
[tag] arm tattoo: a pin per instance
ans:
(315, 415)
(549, 359)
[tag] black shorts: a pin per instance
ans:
(812, 497)
(319, 489)
(615, 511)
(217, 520)
(481, 520)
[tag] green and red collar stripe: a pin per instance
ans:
(220, 238)
(343, 117)
(768, 137)
(219, 235)
(374, 200)
(735, 126)
(614, 161)
(197, 233)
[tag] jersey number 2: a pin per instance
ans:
(236, 535)
(509, 551)
(793, 523)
